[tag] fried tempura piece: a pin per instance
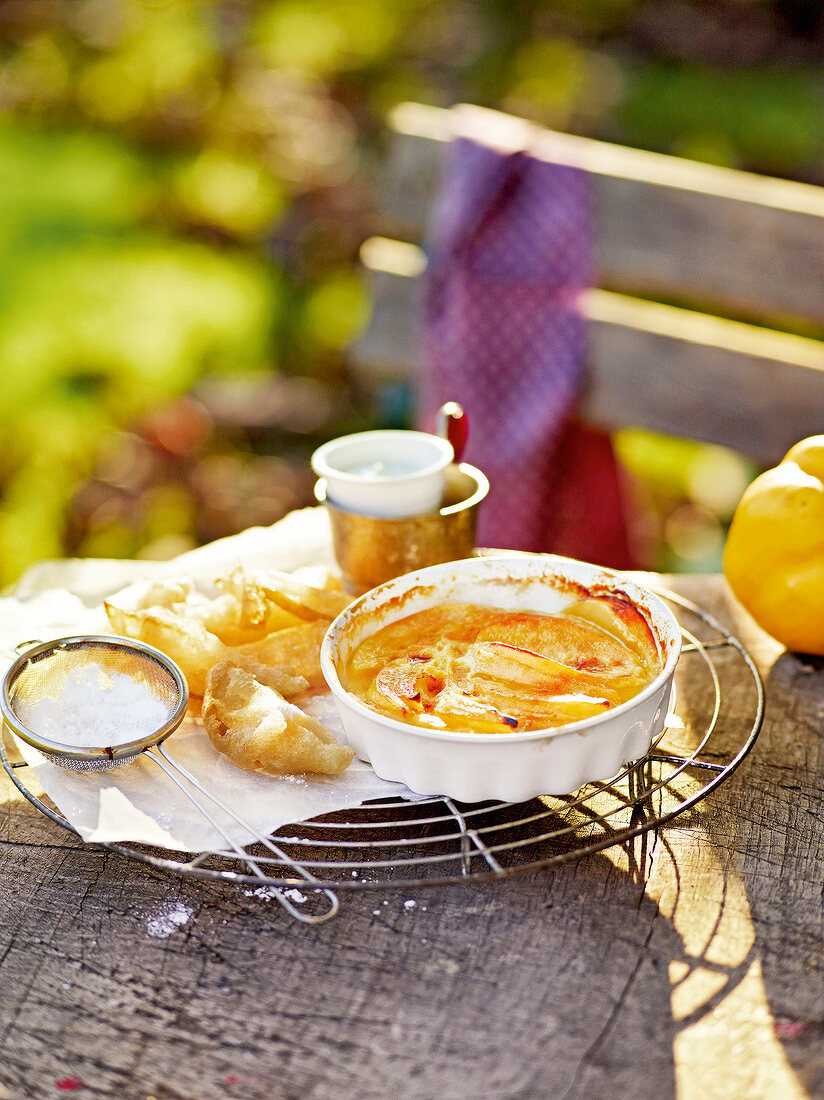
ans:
(195, 649)
(277, 677)
(265, 592)
(297, 648)
(152, 594)
(222, 617)
(253, 615)
(260, 617)
(185, 640)
(259, 730)
(228, 616)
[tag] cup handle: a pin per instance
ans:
(453, 425)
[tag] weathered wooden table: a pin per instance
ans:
(696, 971)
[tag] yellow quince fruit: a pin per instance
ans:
(774, 553)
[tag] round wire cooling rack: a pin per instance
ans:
(437, 841)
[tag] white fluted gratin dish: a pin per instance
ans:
(474, 767)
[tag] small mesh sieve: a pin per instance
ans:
(44, 670)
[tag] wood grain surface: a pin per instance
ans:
(695, 972)
(714, 237)
(648, 366)
(718, 243)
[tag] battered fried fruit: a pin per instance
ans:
(297, 648)
(267, 595)
(190, 645)
(250, 721)
(272, 618)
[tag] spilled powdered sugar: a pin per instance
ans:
(168, 919)
(270, 893)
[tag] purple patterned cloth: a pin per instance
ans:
(509, 255)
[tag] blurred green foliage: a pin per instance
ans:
(768, 119)
(184, 185)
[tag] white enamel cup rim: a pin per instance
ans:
(567, 568)
(441, 448)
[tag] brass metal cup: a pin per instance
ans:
(371, 550)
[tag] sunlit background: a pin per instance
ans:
(184, 186)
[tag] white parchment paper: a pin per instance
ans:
(139, 802)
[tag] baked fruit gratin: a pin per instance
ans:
(462, 666)
(502, 676)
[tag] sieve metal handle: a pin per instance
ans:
(172, 769)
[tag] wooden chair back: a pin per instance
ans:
(708, 314)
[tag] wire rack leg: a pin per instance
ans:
(170, 767)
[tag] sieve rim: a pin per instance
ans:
(123, 751)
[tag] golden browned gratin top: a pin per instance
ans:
(465, 667)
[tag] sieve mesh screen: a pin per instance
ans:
(95, 693)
